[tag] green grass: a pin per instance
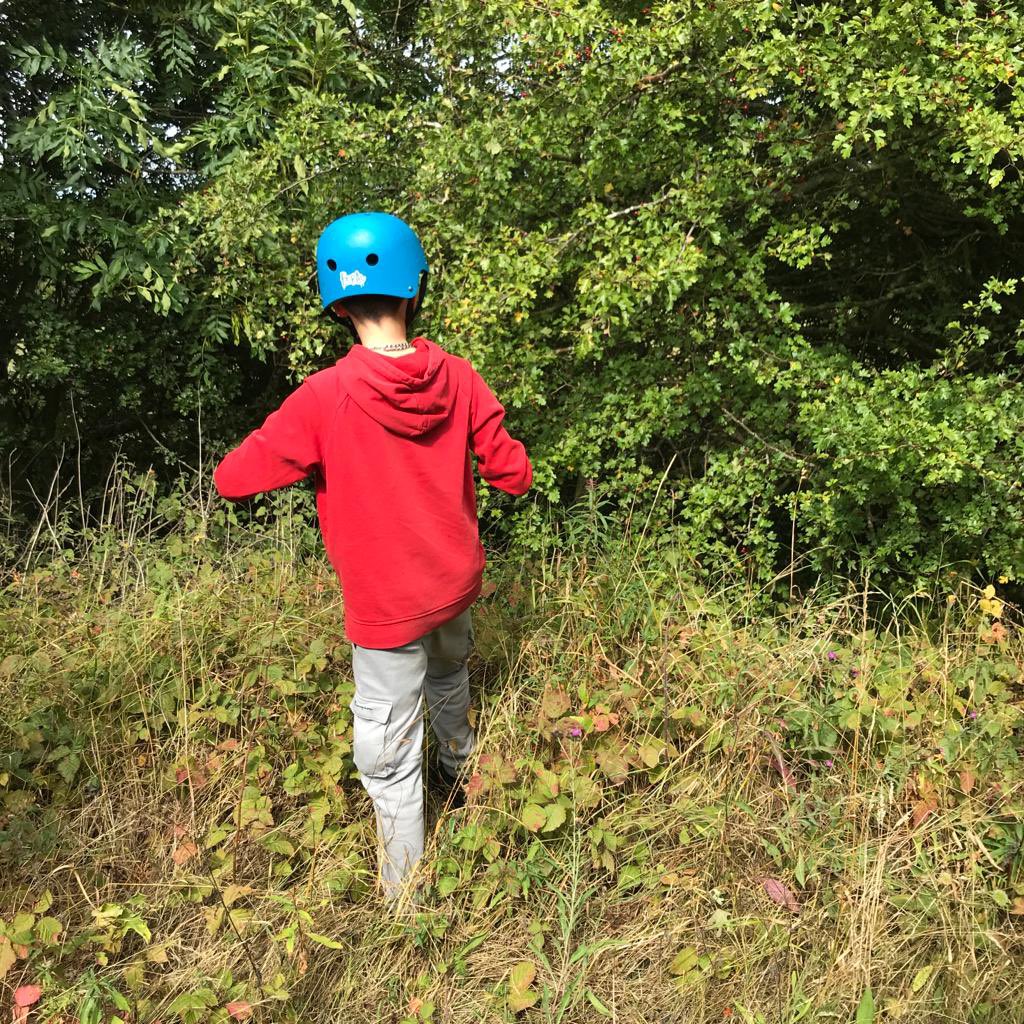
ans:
(746, 827)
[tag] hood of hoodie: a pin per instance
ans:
(404, 404)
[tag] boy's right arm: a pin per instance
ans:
(501, 459)
(285, 449)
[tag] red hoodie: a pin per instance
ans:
(389, 442)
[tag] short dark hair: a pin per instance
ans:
(372, 307)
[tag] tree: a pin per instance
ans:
(753, 261)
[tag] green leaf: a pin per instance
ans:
(519, 1001)
(650, 753)
(555, 817)
(8, 958)
(866, 1008)
(684, 961)
(921, 978)
(630, 876)
(275, 843)
(188, 1002)
(522, 976)
(323, 940)
(534, 817)
(47, 929)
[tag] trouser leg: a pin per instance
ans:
(387, 747)
(447, 688)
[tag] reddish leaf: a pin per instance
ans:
(185, 852)
(191, 775)
(475, 784)
(780, 893)
(922, 809)
(27, 995)
(488, 588)
(239, 1009)
(967, 780)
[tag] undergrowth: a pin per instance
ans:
(682, 809)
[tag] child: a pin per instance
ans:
(387, 433)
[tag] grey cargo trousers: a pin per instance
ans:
(387, 727)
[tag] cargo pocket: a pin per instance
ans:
(372, 748)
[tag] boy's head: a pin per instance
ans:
(371, 269)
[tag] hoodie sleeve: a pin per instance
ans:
(501, 459)
(285, 449)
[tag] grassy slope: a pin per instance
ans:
(746, 827)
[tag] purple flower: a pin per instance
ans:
(832, 656)
(828, 763)
(575, 731)
(854, 672)
(972, 713)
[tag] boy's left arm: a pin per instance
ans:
(285, 449)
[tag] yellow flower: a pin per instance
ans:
(1003, 579)
(989, 591)
(992, 607)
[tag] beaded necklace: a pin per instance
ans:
(392, 348)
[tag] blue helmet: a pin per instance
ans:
(370, 253)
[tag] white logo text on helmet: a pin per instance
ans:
(348, 279)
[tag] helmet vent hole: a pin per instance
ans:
(372, 259)
(331, 265)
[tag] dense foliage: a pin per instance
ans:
(756, 260)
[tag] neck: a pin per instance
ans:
(390, 332)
